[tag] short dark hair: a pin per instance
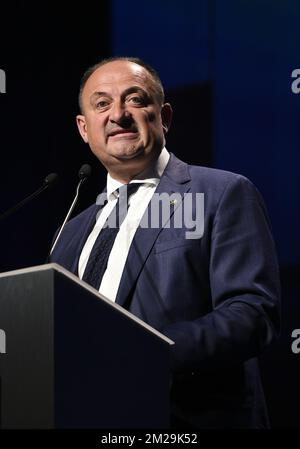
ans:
(157, 81)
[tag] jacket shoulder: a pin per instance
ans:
(215, 175)
(82, 216)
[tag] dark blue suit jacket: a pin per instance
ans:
(217, 297)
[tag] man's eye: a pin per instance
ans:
(136, 100)
(101, 104)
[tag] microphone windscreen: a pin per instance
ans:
(84, 171)
(50, 179)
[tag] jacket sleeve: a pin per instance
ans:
(244, 283)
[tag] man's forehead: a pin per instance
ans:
(119, 73)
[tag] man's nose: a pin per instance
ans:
(119, 113)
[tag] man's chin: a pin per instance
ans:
(128, 154)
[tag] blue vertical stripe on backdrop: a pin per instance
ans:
(248, 51)
(170, 35)
(256, 119)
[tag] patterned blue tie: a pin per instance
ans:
(98, 259)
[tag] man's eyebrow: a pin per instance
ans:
(128, 91)
(99, 94)
(134, 89)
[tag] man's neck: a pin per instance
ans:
(152, 170)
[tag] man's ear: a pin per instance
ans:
(166, 117)
(82, 127)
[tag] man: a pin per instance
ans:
(216, 296)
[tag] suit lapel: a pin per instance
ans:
(175, 179)
(78, 241)
(76, 244)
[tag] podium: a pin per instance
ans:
(74, 359)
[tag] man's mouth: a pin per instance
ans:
(123, 133)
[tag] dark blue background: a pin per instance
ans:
(227, 71)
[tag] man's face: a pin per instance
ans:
(123, 122)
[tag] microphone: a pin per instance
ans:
(83, 174)
(49, 181)
(85, 171)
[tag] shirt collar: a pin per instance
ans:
(151, 175)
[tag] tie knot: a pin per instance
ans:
(128, 189)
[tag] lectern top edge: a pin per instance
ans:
(60, 269)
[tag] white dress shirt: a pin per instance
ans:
(138, 202)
